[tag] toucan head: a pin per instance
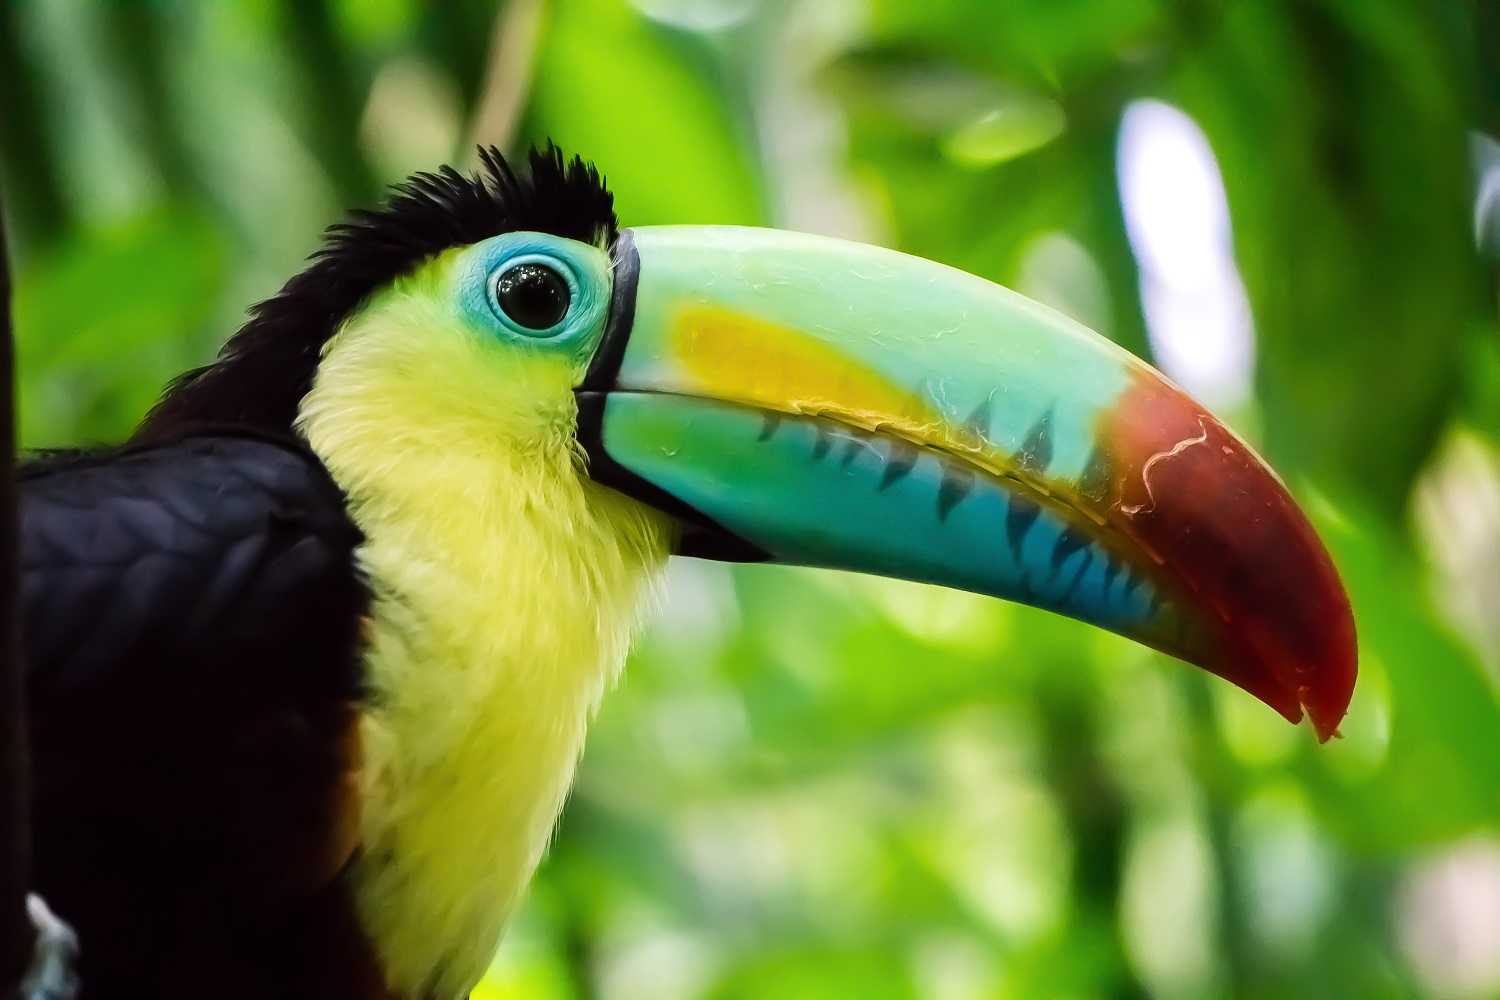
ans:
(796, 399)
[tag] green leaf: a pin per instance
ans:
(611, 86)
(106, 318)
(1345, 159)
(1422, 762)
(820, 975)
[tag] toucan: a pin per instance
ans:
(310, 657)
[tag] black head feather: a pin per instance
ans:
(266, 368)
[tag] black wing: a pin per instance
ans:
(191, 622)
(179, 557)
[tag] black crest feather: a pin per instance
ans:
(265, 369)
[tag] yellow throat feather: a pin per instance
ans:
(507, 586)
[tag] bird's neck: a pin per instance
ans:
(506, 589)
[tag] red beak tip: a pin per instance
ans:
(1324, 703)
(1327, 725)
(1327, 712)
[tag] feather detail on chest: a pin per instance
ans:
(507, 587)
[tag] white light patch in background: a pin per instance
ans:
(697, 15)
(1449, 920)
(1287, 872)
(642, 958)
(801, 127)
(1169, 906)
(955, 966)
(1457, 507)
(412, 118)
(1058, 272)
(1177, 217)
(1484, 159)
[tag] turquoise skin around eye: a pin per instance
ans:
(584, 268)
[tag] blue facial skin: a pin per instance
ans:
(583, 268)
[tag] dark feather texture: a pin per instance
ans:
(192, 644)
(267, 367)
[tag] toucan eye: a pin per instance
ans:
(544, 291)
(533, 295)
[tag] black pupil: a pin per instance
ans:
(533, 295)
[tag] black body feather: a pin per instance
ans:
(192, 619)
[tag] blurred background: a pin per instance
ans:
(813, 785)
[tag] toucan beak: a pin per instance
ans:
(822, 403)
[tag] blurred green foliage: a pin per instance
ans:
(813, 785)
